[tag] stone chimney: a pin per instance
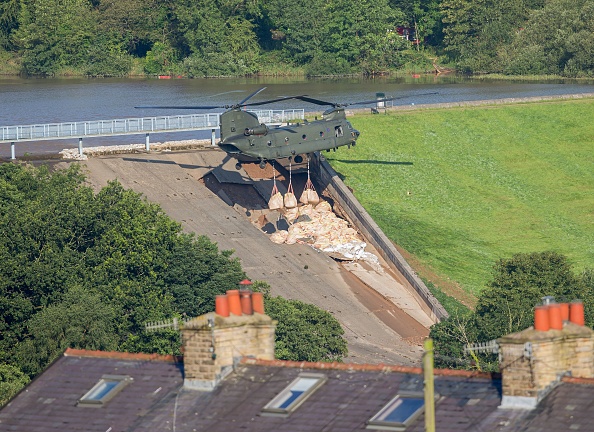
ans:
(533, 361)
(213, 342)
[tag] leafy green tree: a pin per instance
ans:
(81, 320)
(422, 15)
(160, 60)
(53, 34)
(219, 44)
(506, 305)
(9, 13)
(300, 27)
(363, 32)
(556, 39)
(474, 31)
(136, 24)
(105, 57)
(305, 332)
(519, 284)
(58, 236)
(12, 380)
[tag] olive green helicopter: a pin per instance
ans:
(243, 137)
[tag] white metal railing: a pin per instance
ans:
(131, 126)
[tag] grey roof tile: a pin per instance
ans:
(156, 400)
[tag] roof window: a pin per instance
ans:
(107, 387)
(398, 413)
(294, 394)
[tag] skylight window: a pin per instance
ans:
(107, 387)
(294, 394)
(398, 413)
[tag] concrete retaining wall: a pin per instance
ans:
(329, 180)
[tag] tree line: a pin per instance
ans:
(202, 38)
(88, 270)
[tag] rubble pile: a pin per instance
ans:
(319, 227)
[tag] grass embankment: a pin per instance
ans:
(460, 188)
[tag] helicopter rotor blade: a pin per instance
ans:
(334, 104)
(242, 103)
(268, 101)
(315, 101)
(199, 107)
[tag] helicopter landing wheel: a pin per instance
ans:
(262, 164)
(298, 159)
(237, 166)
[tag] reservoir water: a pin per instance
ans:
(36, 101)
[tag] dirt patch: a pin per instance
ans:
(410, 330)
(448, 287)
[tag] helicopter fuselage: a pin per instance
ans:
(243, 137)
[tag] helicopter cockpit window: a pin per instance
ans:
(269, 143)
(338, 131)
(304, 137)
(349, 125)
(321, 133)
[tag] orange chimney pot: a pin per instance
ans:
(234, 302)
(555, 321)
(576, 313)
(222, 305)
(258, 302)
(541, 318)
(245, 297)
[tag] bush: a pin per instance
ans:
(327, 64)
(216, 64)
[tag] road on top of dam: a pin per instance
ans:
(377, 331)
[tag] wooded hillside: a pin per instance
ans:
(281, 37)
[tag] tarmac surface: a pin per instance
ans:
(376, 329)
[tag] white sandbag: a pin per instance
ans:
(312, 197)
(290, 200)
(303, 197)
(276, 201)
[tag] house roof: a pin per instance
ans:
(351, 395)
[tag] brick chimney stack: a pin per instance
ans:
(213, 342)
(533, 361)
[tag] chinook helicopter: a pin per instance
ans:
(243, 137)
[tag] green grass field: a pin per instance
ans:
(460, 188)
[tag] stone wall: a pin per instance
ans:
(212, 344)
(532, 361)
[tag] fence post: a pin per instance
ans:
(80, 147)
(147, 143)
(12, 151)
(212, 137)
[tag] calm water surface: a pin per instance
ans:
(35, 101)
